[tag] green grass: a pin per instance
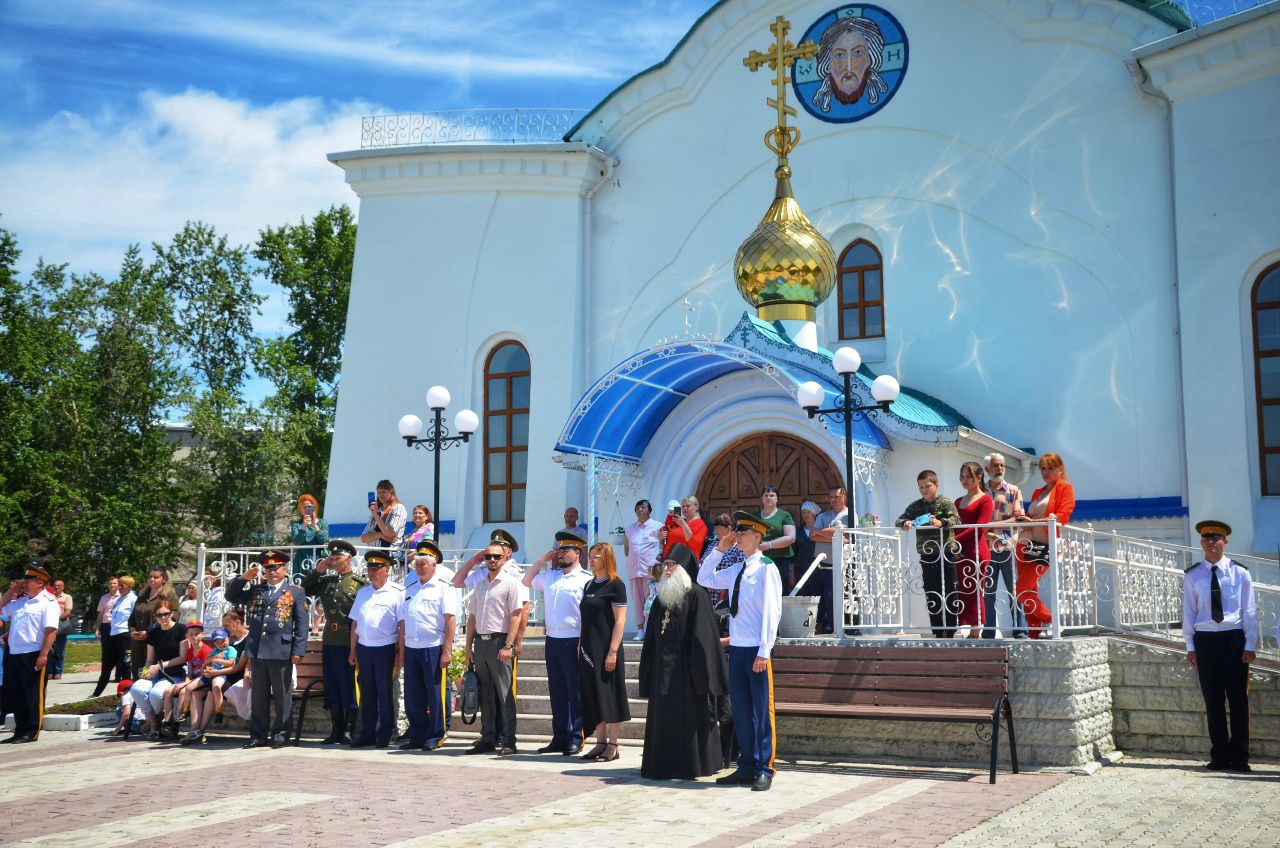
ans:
(80, 654)
(104, 704)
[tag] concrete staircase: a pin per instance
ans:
(533, 703)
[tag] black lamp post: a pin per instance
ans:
(437, 440)
(884, 389)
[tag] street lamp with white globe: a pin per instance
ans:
(884, 389)
(438, 439)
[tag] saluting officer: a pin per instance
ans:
(427, 619)
(755, 607)
(277, 642)
(335, 585)
(33, 615)
(374, 640)
(561, 604)
(1220, 623)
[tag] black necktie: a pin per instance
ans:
(1215, 596)
(737, 587)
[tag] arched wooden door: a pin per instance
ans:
(735, 477)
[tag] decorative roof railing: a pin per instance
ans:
(468, 126)
(1203, 12)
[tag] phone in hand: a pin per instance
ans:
(311, 509)
(923, 520)
(373, 498)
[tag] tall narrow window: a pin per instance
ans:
(861, 292)
(1266, 360)
(506, 432)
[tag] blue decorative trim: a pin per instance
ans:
(1116, 509)
(350, 529)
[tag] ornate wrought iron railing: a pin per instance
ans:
(1089, 582)
(227, 563)
(468, 126)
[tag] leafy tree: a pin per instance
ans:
(311, 261)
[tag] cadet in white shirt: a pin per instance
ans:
(755, 607)
(33, 616)
(375, 636)
(1220, 623)
(561, 603)
(427, 617)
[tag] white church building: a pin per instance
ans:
(1056, 223)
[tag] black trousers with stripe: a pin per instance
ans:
(1224, 682)
(24, 692)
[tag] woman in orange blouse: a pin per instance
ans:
(1057, 497)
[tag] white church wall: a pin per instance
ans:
(1016, 183)
(1223, 81)
(459, 249)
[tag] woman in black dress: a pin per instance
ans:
(601, 662)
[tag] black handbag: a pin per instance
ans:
(469, 688)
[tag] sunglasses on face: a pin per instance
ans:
(493, 557)
(274, 566)
(164, 615)
(1211, 537)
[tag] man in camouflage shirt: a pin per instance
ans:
(936, 547)
(335, 585)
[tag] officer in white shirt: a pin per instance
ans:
(755, 607)
(375, 636)
(33, 615)
(1220, 623)
(427, 618)
(561, 603)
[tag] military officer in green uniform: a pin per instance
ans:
(335, 585)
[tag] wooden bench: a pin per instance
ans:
(962, 685)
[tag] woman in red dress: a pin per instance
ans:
(973, 559)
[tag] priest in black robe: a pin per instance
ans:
(682, 673)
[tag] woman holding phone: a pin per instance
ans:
(309, 529)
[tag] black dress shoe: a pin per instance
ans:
(737, 778)
(762, 783)
(278, 741)
(1243, 768)
(409, 745)
(553, 748)
(21, 740)
(573, 750)
(14, 738)
(382, 743)
(481, 748)
(255, 743)
(504, 751)
(432, 745)
(361, 743)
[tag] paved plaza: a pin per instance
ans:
(85, 789)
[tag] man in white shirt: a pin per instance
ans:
(493, 624)
(561, 598)
(375, 635)
(823, 534)
(1220, 623)
(32, 615)
(427, 619)
(755, 607)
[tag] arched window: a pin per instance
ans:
(506, 432)
(1266, 361)
(861, 292)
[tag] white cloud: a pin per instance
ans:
(80, 188)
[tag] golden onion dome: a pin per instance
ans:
(785, 268)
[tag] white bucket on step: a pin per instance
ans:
(799, 617)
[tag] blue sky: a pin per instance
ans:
(121, 119)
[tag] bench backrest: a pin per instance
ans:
(311, 668)
(890, 676)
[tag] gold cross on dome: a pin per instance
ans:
(782, 54)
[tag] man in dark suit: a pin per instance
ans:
(277, 621)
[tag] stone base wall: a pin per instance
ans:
(1159, 708)
(1061, 696)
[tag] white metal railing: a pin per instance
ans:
(232, 562)
(1093, 582)
(469, 126)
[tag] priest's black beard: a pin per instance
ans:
(673, 587)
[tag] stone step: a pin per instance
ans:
(541, 705)
(530, 726)
(530, 685)
(534, 649)
(538, 668)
